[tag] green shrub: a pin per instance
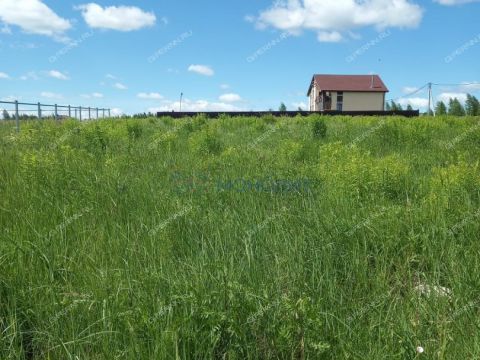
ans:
(206, 143)
(134, 131)
(319, 129)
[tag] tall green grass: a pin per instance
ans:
(120, 240)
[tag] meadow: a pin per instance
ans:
(240, 238)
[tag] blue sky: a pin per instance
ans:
(137, 56)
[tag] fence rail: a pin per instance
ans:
(215, 114)
(41, 111)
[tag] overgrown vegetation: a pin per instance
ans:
(117, 241)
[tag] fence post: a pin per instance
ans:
(39, 111)
(97, 113)
(109, 113)
(75, 113)
(80, 111)
(69, 111)
(56, 113)
(103, 110)
(17, 119)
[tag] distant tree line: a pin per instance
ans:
(393, 106)
(6, 116)
(455, 107)
(142, 115)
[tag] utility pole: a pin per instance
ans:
(17, 117)
(429, 98)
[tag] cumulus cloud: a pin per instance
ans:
(332, 19)
(5, 30)
(327, 36)
(116, 112)
(416, 102)
(120, 86)
(470, 87)
(150, 96)
(57, 75)
(4, 75)
(446, 96)
(455, 2)
(31, 75)
(92, 95)
(121, 18)
(10, 98)
(201, 69)
(300, 105)
(230, 98)
(50, 95)
(409, 89)
(195, 105)
(33, 17)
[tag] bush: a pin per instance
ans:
(134, 131)
(319, 129)
(206, 143)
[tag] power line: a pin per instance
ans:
(410, 94)
(432, 84)
(462, 84)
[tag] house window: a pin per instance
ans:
(340, 101)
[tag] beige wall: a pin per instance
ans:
(334, 101)
(352, 101)
(362, 101)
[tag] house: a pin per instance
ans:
(347, 93)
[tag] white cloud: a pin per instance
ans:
(326, 36)
(33, 17)
(195, 105)
(454, 2)
(301, 105)
(23, 45)
(10, 98)
(224, 86)
(120, 86)
(92, 95)
(164, 20)
(4, 76)
(150, 96)
(230, 98)
(110, 76)
(57, 75)
(201, 69)
(32, 75)
(116, 112)
(249, 18)
(50, 95)
(446, 96)
(333, 18)
(5, 30)
(416, 102)
(470, 87)
(409, 89)
(121, 18)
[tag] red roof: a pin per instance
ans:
(364, 83)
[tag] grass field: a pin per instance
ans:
(251, 238)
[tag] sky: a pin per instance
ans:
(139, 56)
